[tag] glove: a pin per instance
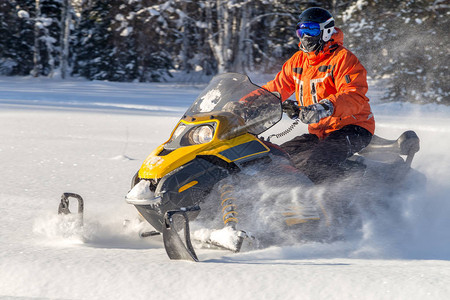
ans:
(316, 112)
(291, 109)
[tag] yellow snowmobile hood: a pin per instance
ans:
(229, 134)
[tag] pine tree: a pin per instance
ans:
(16, 37)
(122, 42)
(403, 41)
(406, 43)
(141, 33)
(421, 66)
(92, 49)
(65, 40)
(49, 35)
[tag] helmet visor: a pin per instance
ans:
(308, 28)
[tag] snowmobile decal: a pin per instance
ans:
(187, 186)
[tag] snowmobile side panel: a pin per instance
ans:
(153, 215)
(173, 186)
(185, 187)
(245, 150)
(190, 184)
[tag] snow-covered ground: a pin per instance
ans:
(91, 137)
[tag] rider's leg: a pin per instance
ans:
(323, 158)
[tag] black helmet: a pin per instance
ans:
(315, 14)
(315, 27)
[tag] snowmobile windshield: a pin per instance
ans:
(232, 92)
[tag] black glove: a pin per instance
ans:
(316, 112)
(291, 109)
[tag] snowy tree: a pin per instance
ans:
(46, 33)
(32, 36)
(406, 42)
(16, 38)
(145, 29)
(93, 55)
(123, 41)
(421, 57)
(65, 36)
(145, 40)
(232, 31)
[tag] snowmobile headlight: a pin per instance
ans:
(202, 134)
(179, 131)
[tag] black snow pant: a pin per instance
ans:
(321, 160)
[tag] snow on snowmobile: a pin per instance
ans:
(216, 147)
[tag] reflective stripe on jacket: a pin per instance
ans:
(335, 74)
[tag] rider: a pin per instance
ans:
(330, 86)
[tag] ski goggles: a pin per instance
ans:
(308, 28)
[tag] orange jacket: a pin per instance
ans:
(335, 74)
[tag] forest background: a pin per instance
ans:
(404, 43)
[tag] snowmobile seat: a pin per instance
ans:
(407, 144)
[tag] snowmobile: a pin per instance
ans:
(217, 146)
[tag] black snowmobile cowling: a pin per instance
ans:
(216, 139)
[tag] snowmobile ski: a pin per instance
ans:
(174, 221)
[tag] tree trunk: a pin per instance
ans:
(243, 56)
(66, 19)
(185, 66)
(36, 55)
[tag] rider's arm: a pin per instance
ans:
(350, 78)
